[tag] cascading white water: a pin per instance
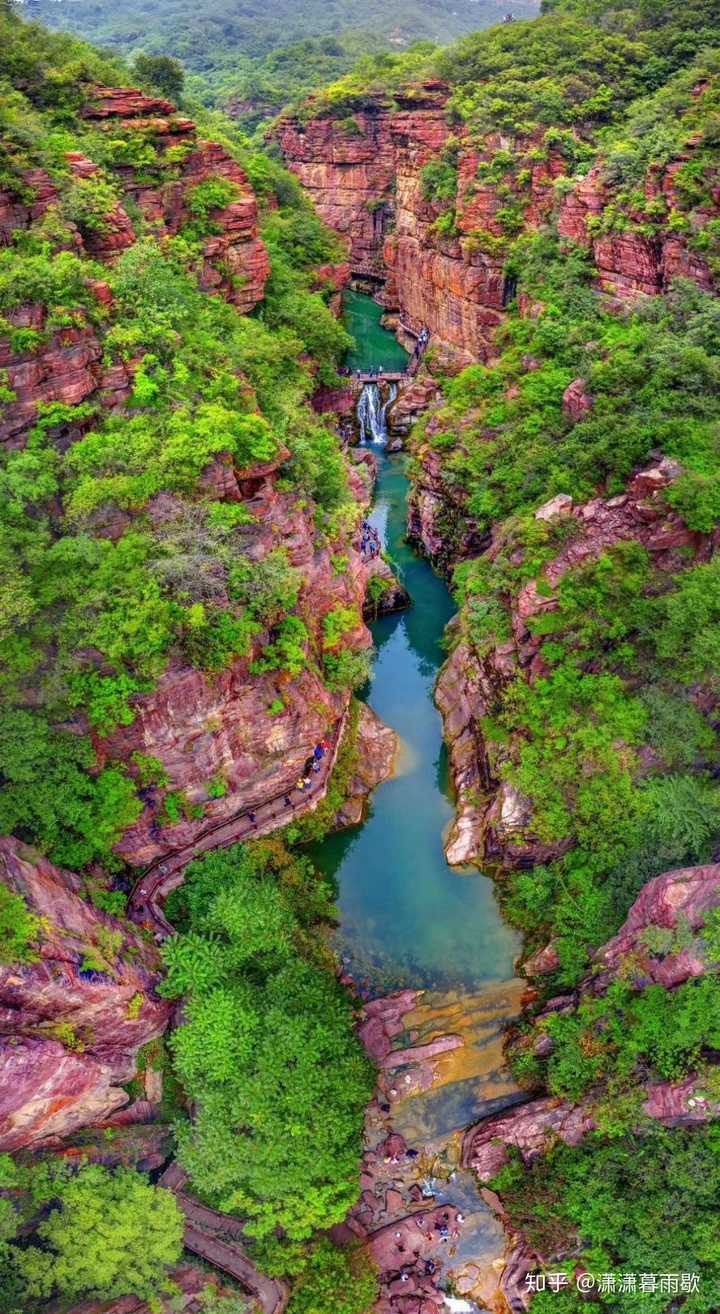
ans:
(372, 413)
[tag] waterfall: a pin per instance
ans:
(372, 413)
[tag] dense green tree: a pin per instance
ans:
(637, 1204)
(267, 1051)
(269, 53)
(162, 74)
(108, 1233)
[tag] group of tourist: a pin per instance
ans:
(448, 1228)
(369, 542)
(423, 338)
(312, 767)
(305, 781)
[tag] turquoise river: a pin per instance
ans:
(406, 917)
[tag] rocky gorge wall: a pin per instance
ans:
(363, 171)
(230, 741)
(69, 367)
(74, 1015)
(493, 822)
(251, 730)
(363, 174)
(79, 1006)
(678, 903)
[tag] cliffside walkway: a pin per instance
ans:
(217, 1238)
(393, 376)
(165, 873)
(387, 376)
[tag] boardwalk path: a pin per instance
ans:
(166, 872)
(217, 1238)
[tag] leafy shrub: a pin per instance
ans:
(19, 928)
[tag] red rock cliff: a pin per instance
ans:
(364, 176)
(73, 1020)
(442, 264)
(251, 731)
(65, 366)
(493, 823)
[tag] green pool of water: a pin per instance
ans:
(374, 346)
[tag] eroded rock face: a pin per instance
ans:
(437, 515)
(532, 1127)
(48, 1091)
(349, 177)
(236, 262)
(577, 402)
(388, 595)
(66, 366)
(412, 401)
(73, 1021)
(629, 263)
(377, 746)
(364, 173)
(252, 731)
(364, 176)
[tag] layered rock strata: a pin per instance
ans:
(66, 366)
(251, 731)
(74, 1015)
(440, 264)
(678, 902)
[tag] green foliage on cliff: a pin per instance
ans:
(641, 1203)
(652, 378)
(267, 1052)
(546, 71)
(103, 1234)
(622, 643)
(51, 796)
(119, 556)
(19, 928)
(261, 55)
(626, 1035)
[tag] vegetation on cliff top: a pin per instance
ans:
(101, 1234)
(268, 1043)
(633, 1205)
(256, 57)
(92, 615)
(573, 67)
